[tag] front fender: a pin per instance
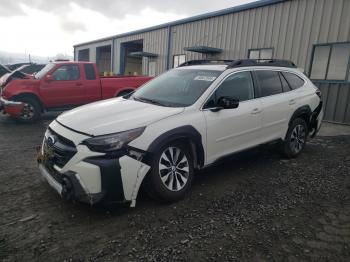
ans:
(182, 132)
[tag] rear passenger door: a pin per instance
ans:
(277, 104)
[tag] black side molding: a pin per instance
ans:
(304, 110)
(182, 132)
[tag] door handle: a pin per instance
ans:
(256, 111)
(292, 102)
(78, 84)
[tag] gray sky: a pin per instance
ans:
(46, 27)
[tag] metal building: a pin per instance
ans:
(314, 34)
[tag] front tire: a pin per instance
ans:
(31, 111)
(171, 173)
(296, 137)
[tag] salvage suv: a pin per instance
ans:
(183, 120)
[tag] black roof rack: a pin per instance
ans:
(261, 62)
(206, 62)
(243, 63)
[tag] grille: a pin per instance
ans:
(57, 150)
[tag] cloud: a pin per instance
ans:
(46, 27)
(9, 8)
(119, 8)
(70, 26)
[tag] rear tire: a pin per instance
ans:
(171, 173)
(296, 138)
(31, 111)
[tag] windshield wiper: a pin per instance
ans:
(147, 100)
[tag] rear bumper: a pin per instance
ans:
(316, 120)
(12, 108)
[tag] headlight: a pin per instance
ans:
(113, 142)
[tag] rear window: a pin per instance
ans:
(89, 72)
(269, 82)
(293, 80)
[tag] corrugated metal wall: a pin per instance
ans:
(153, 42)
(336, 102)
(291, 28)
(92, 49)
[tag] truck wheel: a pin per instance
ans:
(171, 173)
(295, 140)
(31, 111)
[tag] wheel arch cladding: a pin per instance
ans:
(181, 133)
(29, 95)
(303, 112)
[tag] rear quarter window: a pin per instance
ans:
(293, 80)
(89, 72)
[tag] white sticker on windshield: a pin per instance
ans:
(205, 78)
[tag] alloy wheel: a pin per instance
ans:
(298, 138)
(27, 111)
(174, 169)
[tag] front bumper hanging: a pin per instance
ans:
(12, 108)
(120, 177)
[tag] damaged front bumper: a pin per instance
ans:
(12, 108)
(92, 177)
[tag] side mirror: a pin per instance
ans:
(227, 102)
(49, 78)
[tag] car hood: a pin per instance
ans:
(114, 115)
(8, 77)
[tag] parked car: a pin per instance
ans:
(183, 120)
(27, 68)
(4, 70)
(58, 86)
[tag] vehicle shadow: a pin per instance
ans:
(211, 179)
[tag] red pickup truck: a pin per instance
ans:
(60, 86)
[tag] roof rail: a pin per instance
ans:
(261, 62)
(206, 62)
(242, 63)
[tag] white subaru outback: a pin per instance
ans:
(183, 120)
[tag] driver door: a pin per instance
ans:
(232, 130)
(64, 87)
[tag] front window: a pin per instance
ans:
(177, 88)
(239, 85)
(66, 73)
(44, 71)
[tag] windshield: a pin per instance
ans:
(44, 71)
(177, 88)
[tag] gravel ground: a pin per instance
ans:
(253, 207)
